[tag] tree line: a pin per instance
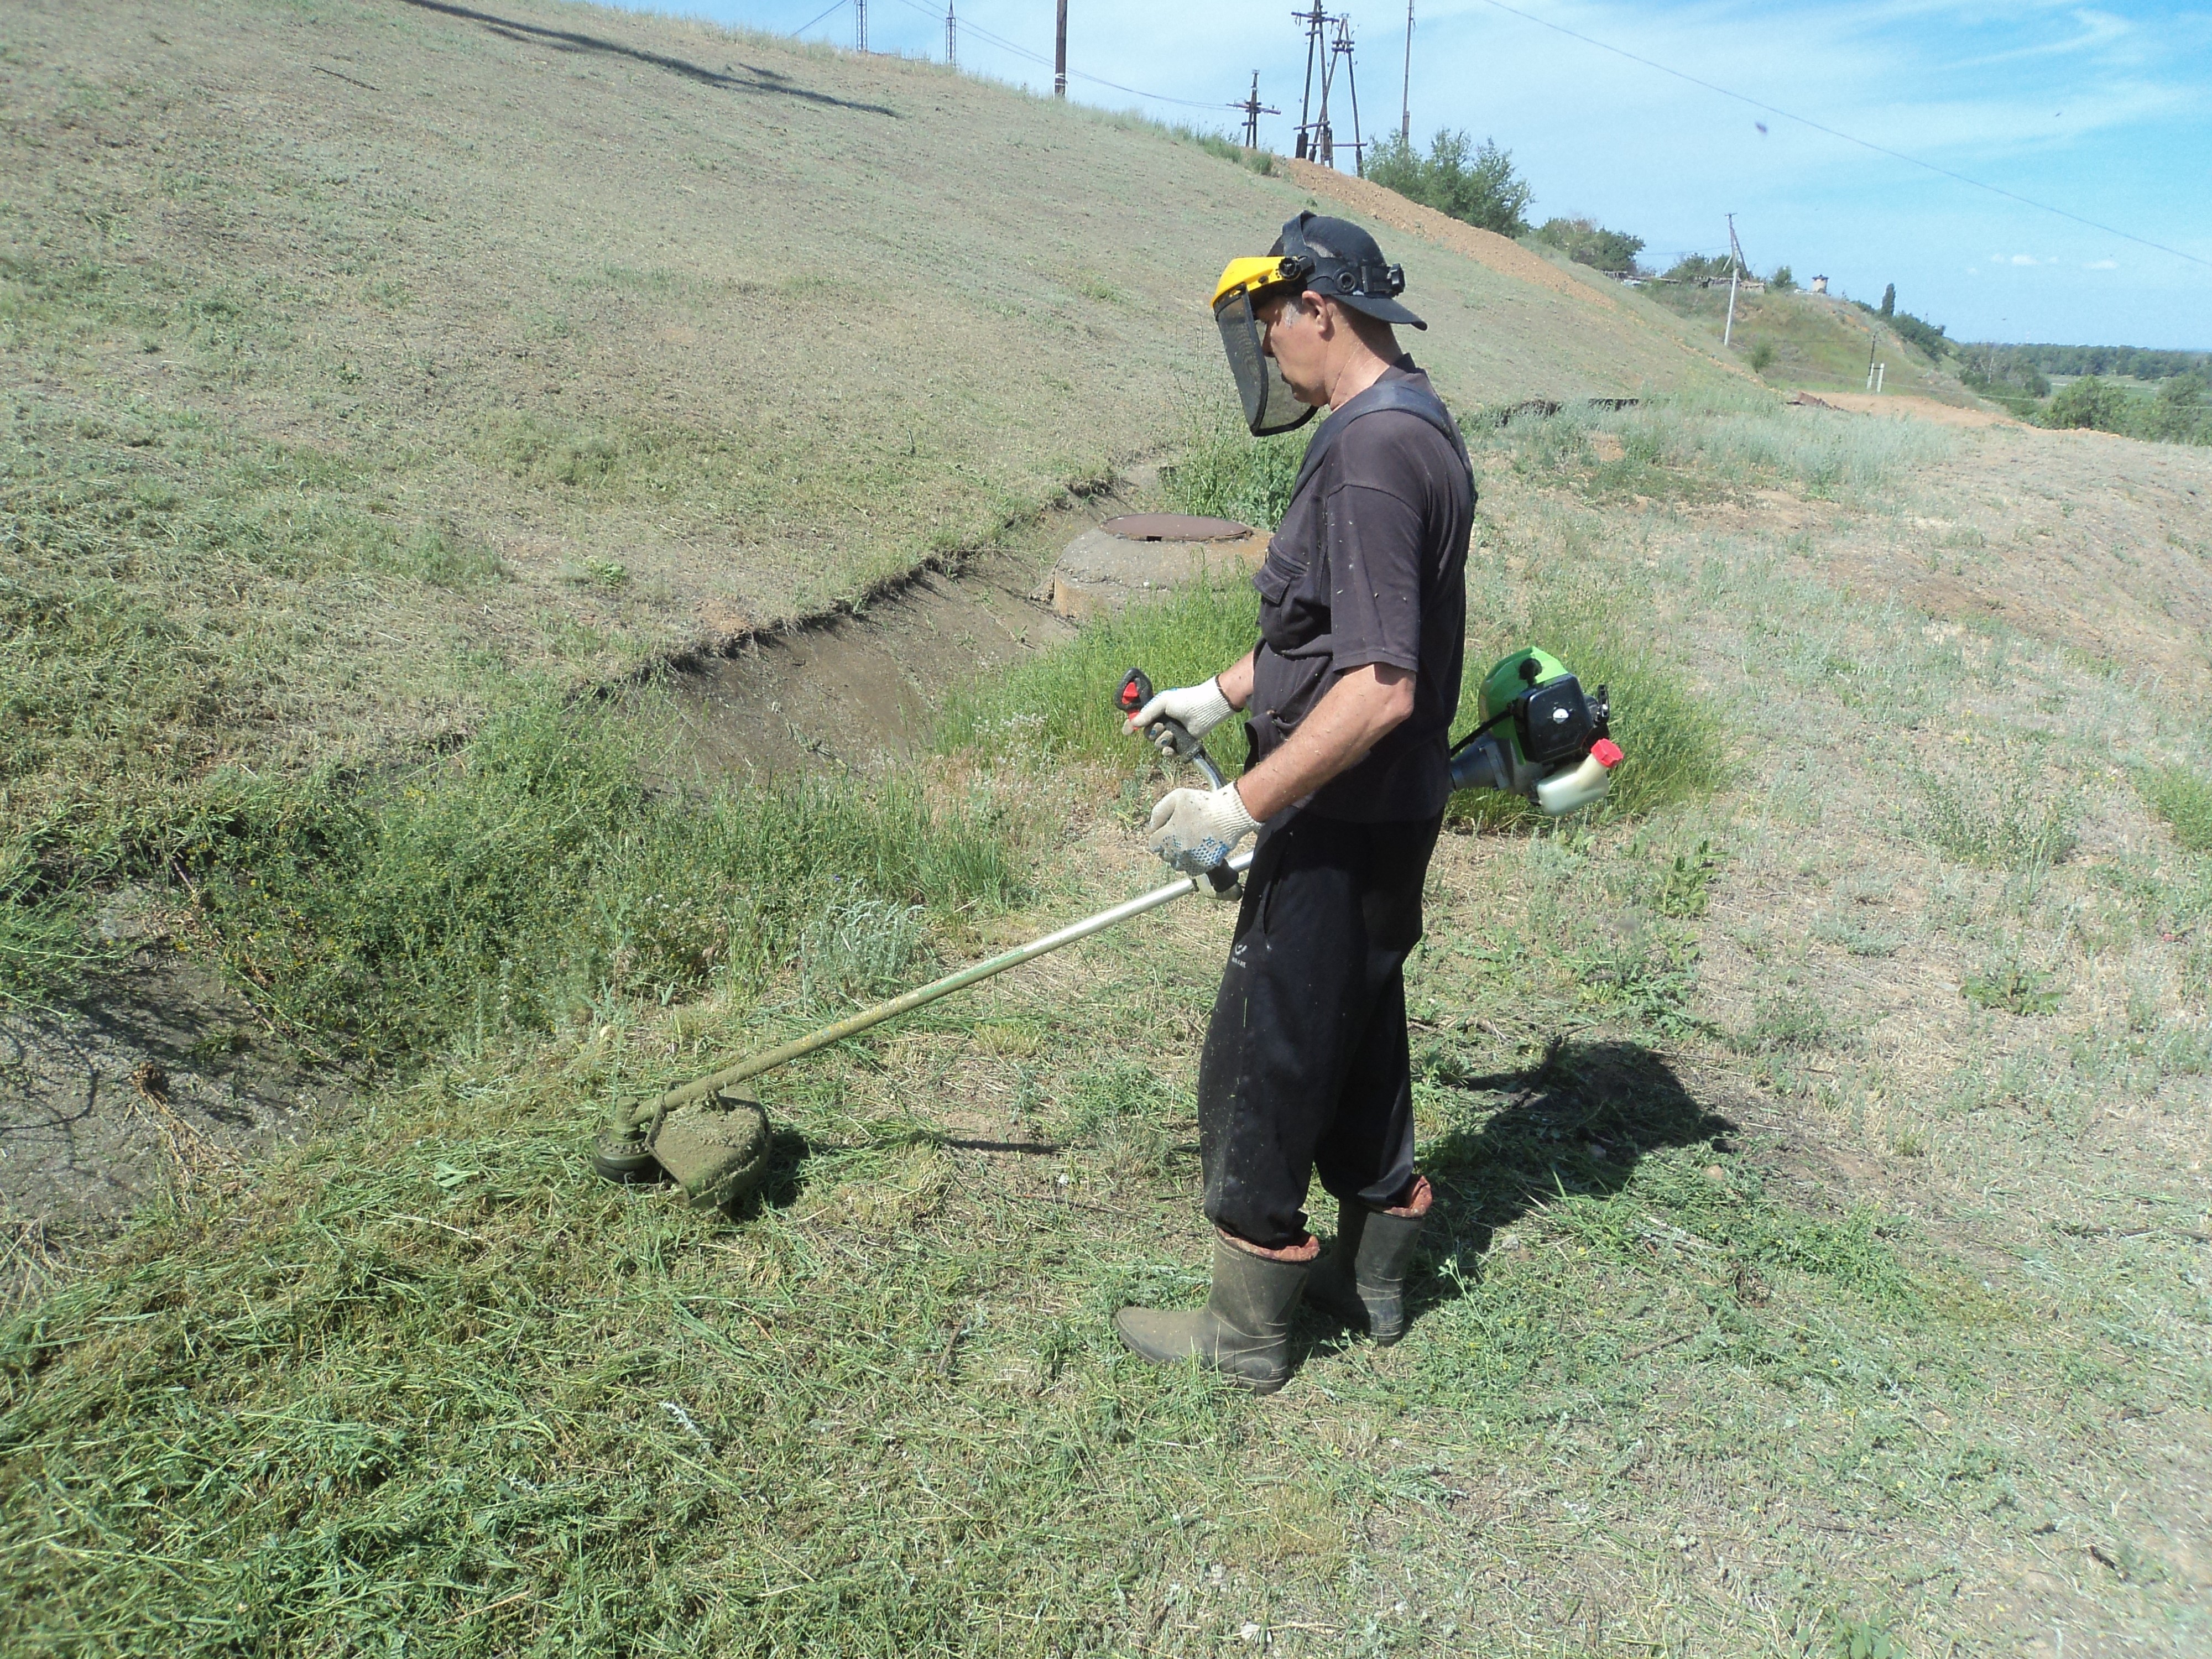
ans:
(2131, 362)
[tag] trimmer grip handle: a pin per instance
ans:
(1172, 735)
(1136, 691)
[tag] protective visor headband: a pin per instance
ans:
(1324, 273)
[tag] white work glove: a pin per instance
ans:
(1200, 707)
(1194, 829)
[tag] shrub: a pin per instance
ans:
(1700, 268)
(1929, 336)
(2179, 413)
(1588, 243)
(2000, 371)
(1476, 184)
(1762, 356)
(1783, 281)
(2090, 402)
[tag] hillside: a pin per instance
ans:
(1816, 1127)
(1818, 342)
(361, 348)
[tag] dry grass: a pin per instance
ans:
(1784, 1298)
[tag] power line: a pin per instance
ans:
(803, 28)
(970, 27)
(1849, 138)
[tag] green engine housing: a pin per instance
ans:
(1534, 721)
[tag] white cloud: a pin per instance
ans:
(2102, 265)
(2023, 259)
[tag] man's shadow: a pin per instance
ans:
(1575, 1123)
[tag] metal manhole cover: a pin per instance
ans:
(1174, 527)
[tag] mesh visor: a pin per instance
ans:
(1268, 405)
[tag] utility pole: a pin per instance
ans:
(1736, 270)
(1343, 45)
(1405, 92)
(1323, 146)
(1254, 109)
(1060, 54)
(1315, 22)
(860, 23)
(952, 39)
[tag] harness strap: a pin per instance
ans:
(1383, 394)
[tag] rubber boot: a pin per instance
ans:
(1243, 1330)
(1362, 1278)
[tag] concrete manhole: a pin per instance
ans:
(1124, 558)
(1174, 528)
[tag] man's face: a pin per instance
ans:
(1296, 335)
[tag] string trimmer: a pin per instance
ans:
(714, 1141)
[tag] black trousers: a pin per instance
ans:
(1305, 1067)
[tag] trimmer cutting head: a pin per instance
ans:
(716, 1149)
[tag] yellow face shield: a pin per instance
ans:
(1269, 406)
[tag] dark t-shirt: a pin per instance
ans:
(1370, 566)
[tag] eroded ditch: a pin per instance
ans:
(162, 1081)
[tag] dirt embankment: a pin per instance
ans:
(1906, 406)
(1502, 254)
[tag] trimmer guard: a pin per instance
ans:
(716, 1149)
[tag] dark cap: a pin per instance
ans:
(1346, 266)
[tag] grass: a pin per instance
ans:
(1223, 471)
(1803, 339)
(1675, 1383)
(1053, 701)
(1060, 703)
(532, 872)
(2181, 796)
(1776, 1302)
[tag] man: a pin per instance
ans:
(1352, 690)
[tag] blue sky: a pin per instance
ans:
(2104, 112)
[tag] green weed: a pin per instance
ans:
(1785, 1022)
(1850, 1637)
(1060, 701)
(1858, 938)
(2002, 812)
(1685, 888)
(858, 949)
(2183, 797)
(534, 871)
(2013, 989)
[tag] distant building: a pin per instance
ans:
(1819, 285)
